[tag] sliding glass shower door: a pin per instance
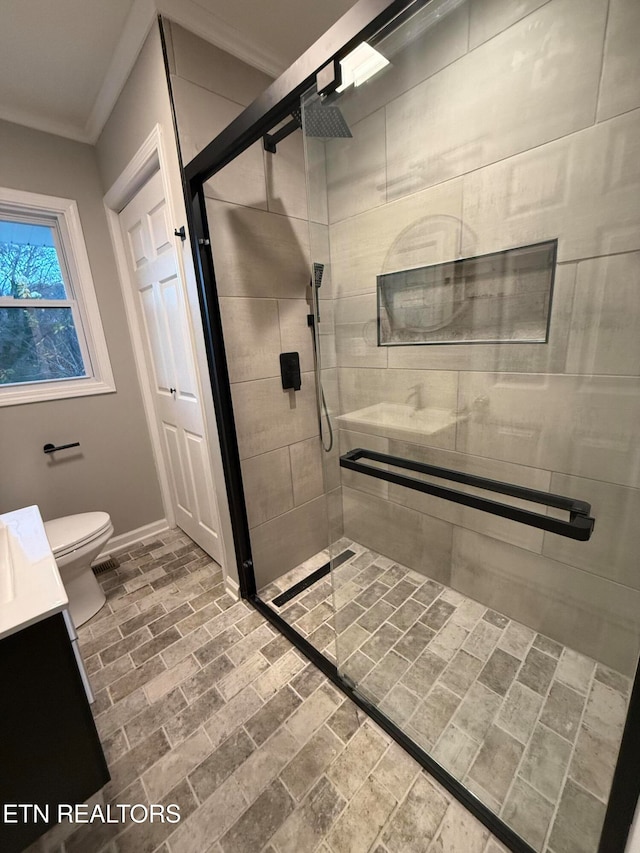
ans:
(474, 210)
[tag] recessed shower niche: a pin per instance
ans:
(500, 297)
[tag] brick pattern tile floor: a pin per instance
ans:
(530, 726)
(200, 702)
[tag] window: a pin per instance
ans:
(51, 340)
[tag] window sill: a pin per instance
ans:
(17, 395)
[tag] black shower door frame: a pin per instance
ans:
(361, 22)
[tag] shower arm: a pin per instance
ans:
(580, 525)
(271, 140)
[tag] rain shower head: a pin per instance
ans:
(322, 120)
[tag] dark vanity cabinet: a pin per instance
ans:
(50, 753)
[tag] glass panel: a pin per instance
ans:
(505, 650)
(257, 214)
(38, 344)
(29, 264)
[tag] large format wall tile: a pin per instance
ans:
(356, 178)
(471, 113)
(215, 69)
(327, 329)
(512, 357)
(349, 440)
(201, 115)
(412, 59)
(605, 327)
(413, 539)
(268, 489)
(584, 189)
(482, 522)
(331, 391)
(619, 89)
(288, 540)
(330, 437)
(267, 417)
(612, 552)
(585, 426)
(331, 470)
(589, 614)
(490, 17)
(251, 336)
(306, 470)
(295, 334)
(425, 228)
(257, 253)
(356, 328)
(316, 175)
(328, 356)
(335, 513)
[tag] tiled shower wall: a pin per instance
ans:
(509, 124)
(257, 209)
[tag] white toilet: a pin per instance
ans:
(76, 540)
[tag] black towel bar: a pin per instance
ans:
(579, 526)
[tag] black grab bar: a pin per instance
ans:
(580, 524)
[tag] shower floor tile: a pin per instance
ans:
(231, 723)
(532, 727)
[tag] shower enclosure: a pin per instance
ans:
(462, 286)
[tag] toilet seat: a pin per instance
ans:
(71, 532)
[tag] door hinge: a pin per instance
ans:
(204, 242)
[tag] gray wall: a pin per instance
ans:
(114, 470)
(500, 129)
(144, 103)
(257, 210)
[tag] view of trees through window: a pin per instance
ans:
(38, 338)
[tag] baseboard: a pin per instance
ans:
(126, 540)
(232, 587)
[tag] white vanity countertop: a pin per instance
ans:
(30, 585)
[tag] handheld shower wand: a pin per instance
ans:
(318, 271)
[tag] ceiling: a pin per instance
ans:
(63, 64)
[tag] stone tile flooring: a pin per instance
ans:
(200, 702)
(531, 727)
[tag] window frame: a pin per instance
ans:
(62, 215)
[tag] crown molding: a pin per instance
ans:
(47, 125)
(218, 32)
(187, 14)
(139, 21)
(142, 15)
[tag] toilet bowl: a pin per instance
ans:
(76, 540)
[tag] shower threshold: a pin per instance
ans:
(530, 726)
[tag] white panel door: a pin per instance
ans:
(171, 366)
